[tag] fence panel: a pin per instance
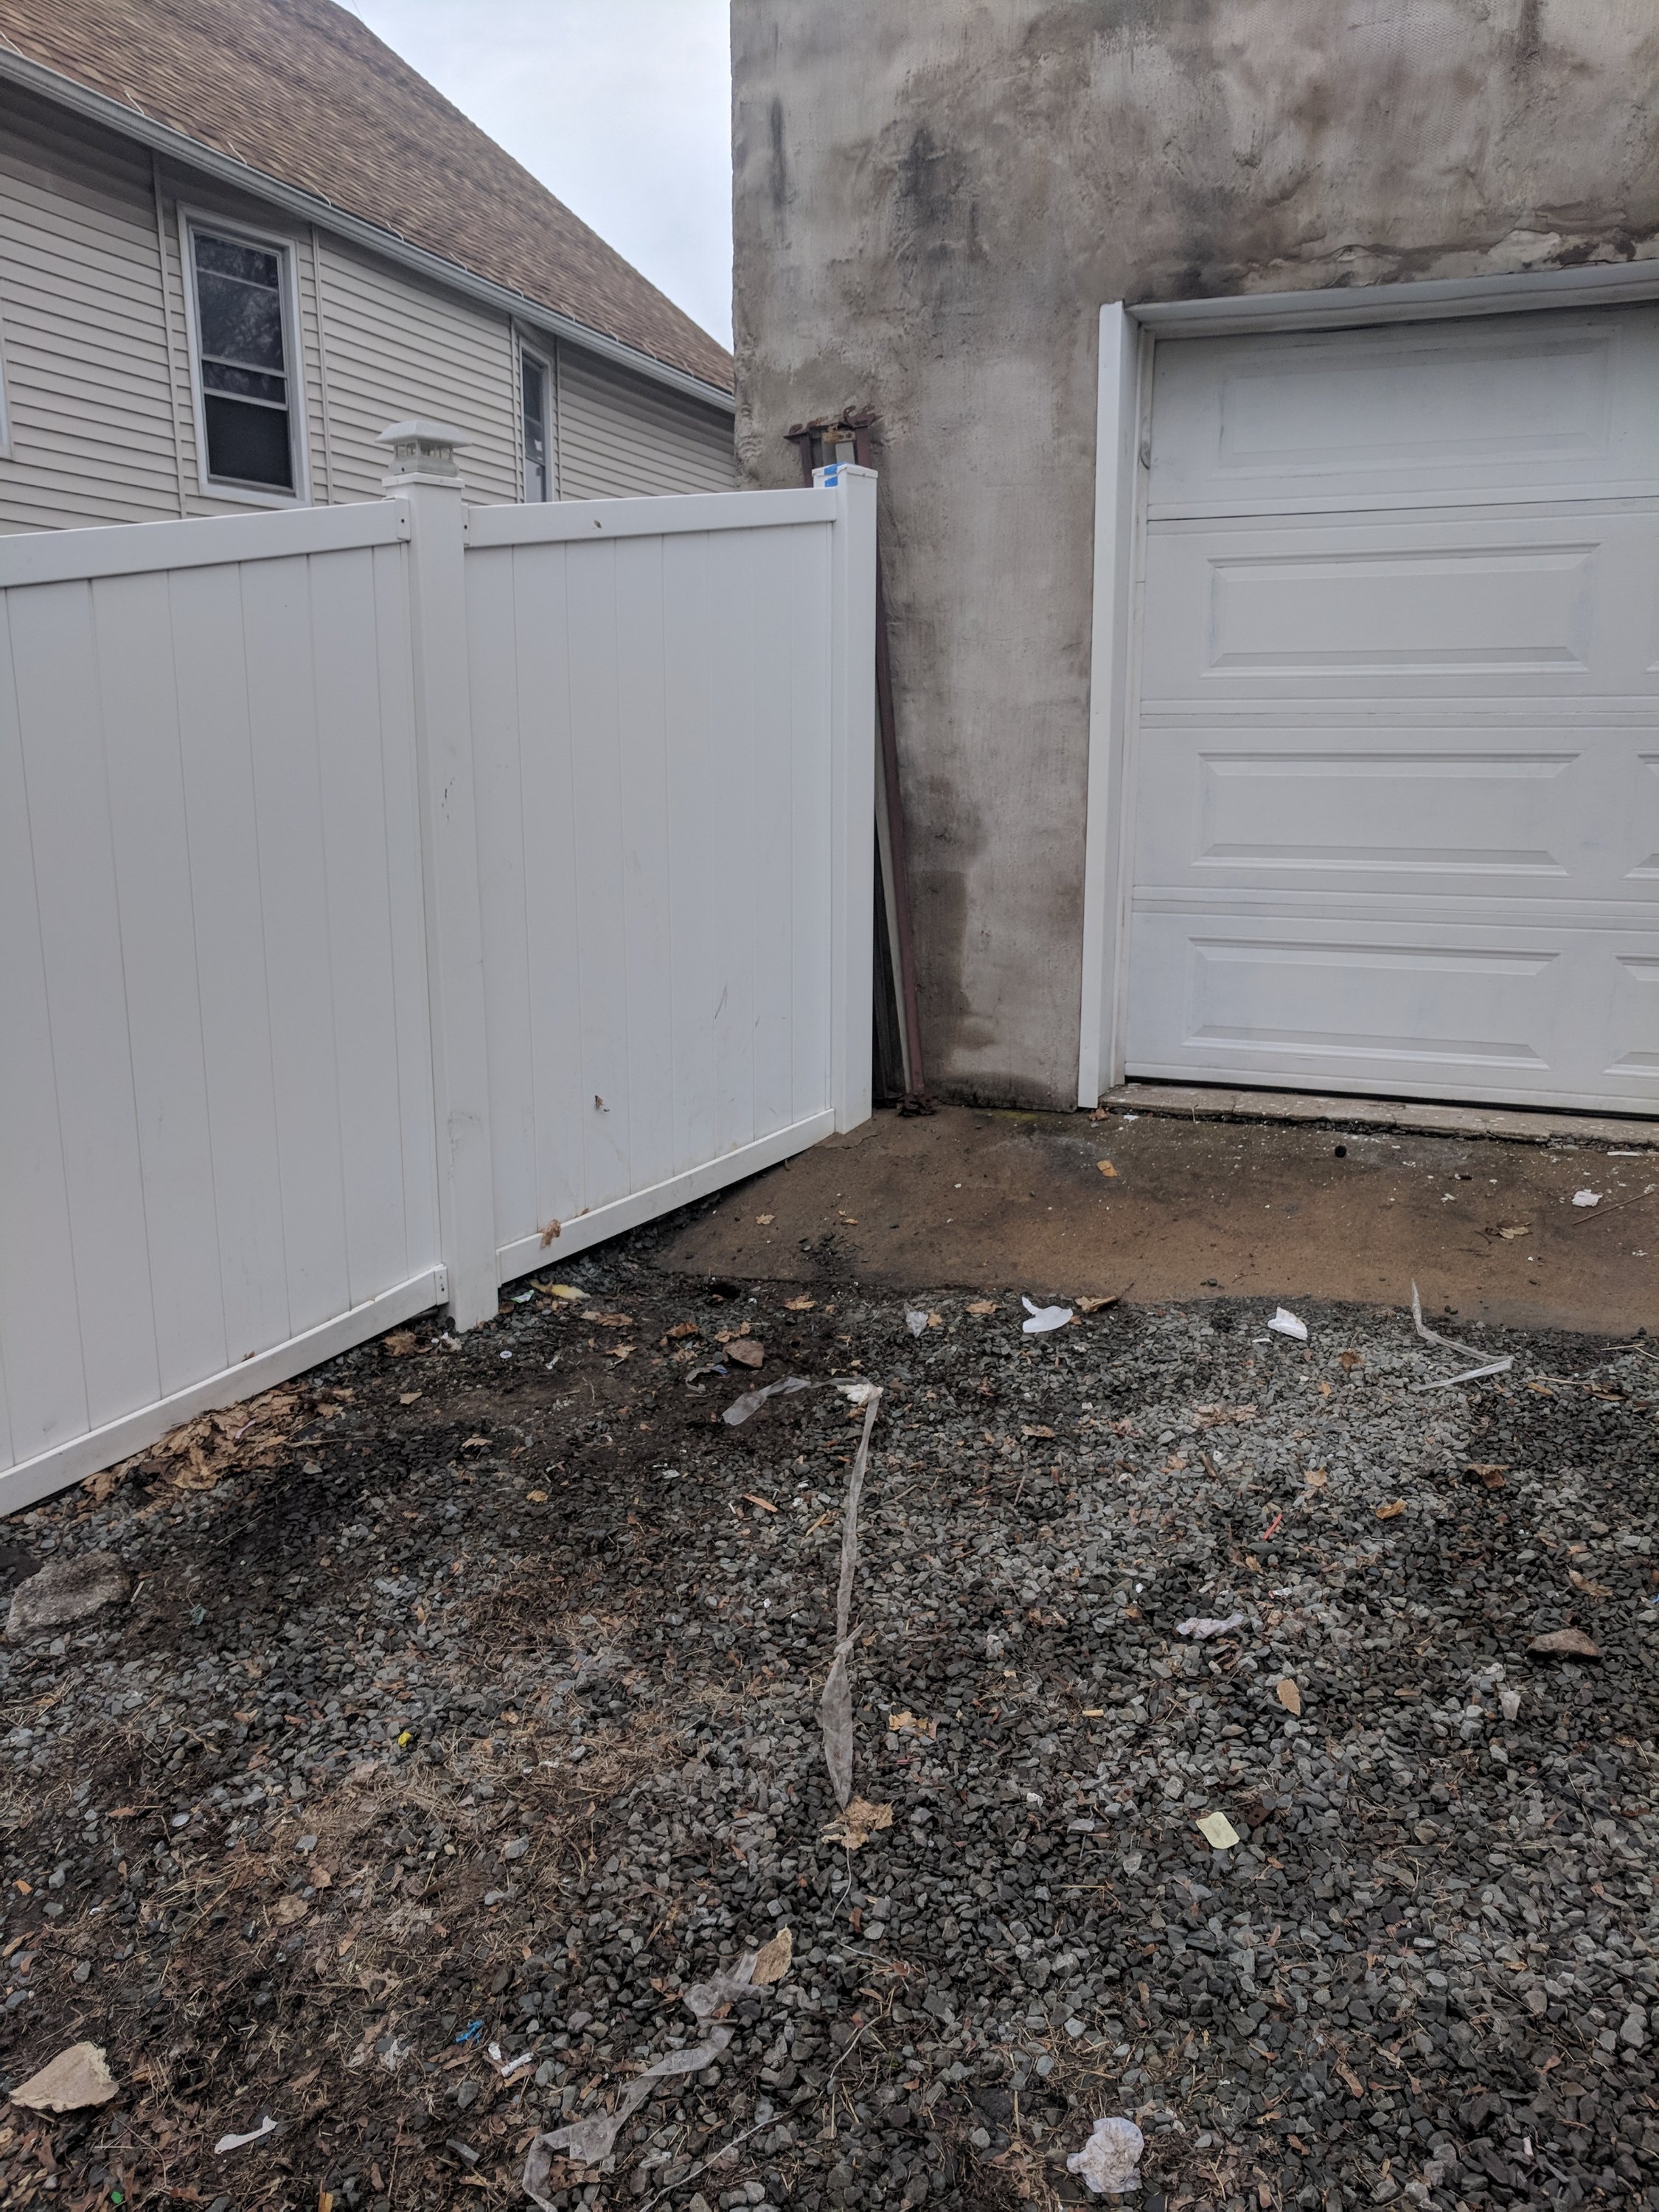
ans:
(215, 1085)
(653, 734)
(379, 886)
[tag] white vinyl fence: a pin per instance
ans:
(382, 885)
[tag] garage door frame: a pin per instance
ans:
(1129, 335)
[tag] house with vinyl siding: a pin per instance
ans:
(239, 238)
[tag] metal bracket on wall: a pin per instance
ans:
(850, 437)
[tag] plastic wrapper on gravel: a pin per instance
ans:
(1108, 2162)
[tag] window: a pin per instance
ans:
(538, 461)
(242, 327)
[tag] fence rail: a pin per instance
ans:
(380, 885)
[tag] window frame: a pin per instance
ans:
(190, 221)
(530, 356)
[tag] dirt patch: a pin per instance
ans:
(471, 1717)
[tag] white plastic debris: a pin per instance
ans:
(590, 2143)
(1044, 1317)
(1109, 2161)
(1450, 1343)
(1200, 1626)
(740, 1408)
(860, 1393)
(916, 1320)
(1587, 1198)
(1287, 1324)
(266, 2126)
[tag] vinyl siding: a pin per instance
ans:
(95, 342)
(621, 436)
(396, 348)
(85, 348)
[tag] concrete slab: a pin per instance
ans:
(1207, 1102)
(1198, 1208)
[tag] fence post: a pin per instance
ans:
(852, 788)
(424, 475)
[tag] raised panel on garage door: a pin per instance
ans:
(1396, 768)
(1519, 406)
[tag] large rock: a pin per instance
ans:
(64, 1591)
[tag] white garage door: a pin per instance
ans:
(1396, 769)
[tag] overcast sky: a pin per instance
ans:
(621, 107)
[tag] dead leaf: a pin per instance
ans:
(1584, 1583)
(1107, 1168)
(1564, 1644)
(611, 1321)
(1217, 1417)
(1091, 1305)
(289, 1908)
(101, 1487)
(620, 1352)
(983, 1306)
(549, 1234)
(1392, 1511)
(1356, 2087)
(799, 1305)
(1491, 1472)
(764, 1220)
(850, 1220)
(684, 1329)
(907, 1724)
(407, 1397)
(772, 1960)
(475, 1444)
(1218, 1831)
(1349, 1360)
(1316, 1477)
(401, 1343)
(535, 1497)
(1514, 1228)
(566, 1292)
(753, 1498)
(1036, 1432)
(854, 1828)
(77, 2077)
(745, 1352)
(1289, 1696)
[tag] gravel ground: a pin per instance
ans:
(468, 1700)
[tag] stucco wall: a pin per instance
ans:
(933, 201)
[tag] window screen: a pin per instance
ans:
(537, 470)
(244, 362)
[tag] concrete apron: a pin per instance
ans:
(1199, 1208)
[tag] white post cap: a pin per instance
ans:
(420, 448)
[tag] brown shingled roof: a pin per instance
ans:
(304, 92)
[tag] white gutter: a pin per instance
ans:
(313, 207)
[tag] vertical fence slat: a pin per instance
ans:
(215, 748)
(693, 796)
(643, 677)
(353, 802)
(157, 929)
(55, 663)
(299, 936)
(594, 643)
(39, 1325)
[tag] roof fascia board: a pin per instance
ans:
(1597, 285)
(311, 207)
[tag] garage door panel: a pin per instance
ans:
(1511, 812)
(1558, 606)
(1432, 1010)
(1518, 406)
(1395, 764)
